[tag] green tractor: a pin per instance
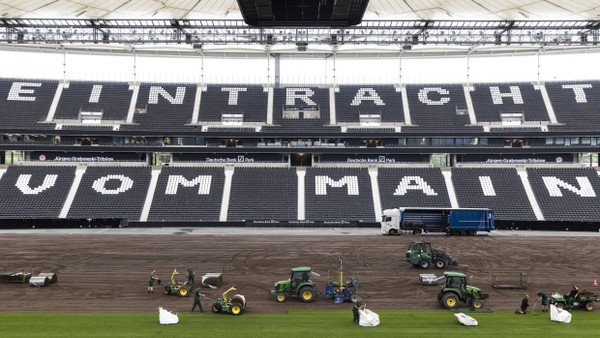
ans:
(234, 305)
(173, 287)
(582, 300)
(420, 254)
(456, 289)
(299, 284)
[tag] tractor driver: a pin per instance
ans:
(572, 295)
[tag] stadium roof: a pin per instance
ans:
(431, 16)
(377, 9)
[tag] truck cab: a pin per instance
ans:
(390, 221)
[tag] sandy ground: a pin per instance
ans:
(109, 272)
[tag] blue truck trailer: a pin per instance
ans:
(461, 221)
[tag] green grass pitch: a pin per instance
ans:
(294, 324)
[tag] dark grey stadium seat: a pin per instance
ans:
(567, 193)
(24, 103)
(412, 187)
(335, 194)
(35, 191)
(111, 192)
(188, 194)
(263, 194)
(352, 101)
(492, 99)
(499, 189)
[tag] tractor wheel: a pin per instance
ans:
(560, 306)
(589, 306)
(450, 300)
(216, 308)
(307, 294)
(440, 264)
(236, 309)
(183, 291)
(281, 297)
(167, 290)
(477, 304)
(424, 264)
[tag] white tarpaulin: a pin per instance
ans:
(368, 318)
(558, 315)
(466, 320)
(167, 317)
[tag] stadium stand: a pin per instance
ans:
(337, 194)
(263, 193)
(188, 194)
(499, 189)
(566, 193)
(111, 192)
(492, 99)
(412, 187)
(163, 107)
(35, 191)
(249, 100)
(24, 103)
(110, 98)
(576, 105)
(436, 106)
(305, 100)
(353, 101)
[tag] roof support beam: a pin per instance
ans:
(236, 32)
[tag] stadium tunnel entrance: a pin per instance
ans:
(301, 160)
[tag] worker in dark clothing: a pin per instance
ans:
(572, 296)
(190, 275)
(524, 305)
(541, 295)
(197, 302)
(357, 306)
(153, 277)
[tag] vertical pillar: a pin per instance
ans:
(277, 71)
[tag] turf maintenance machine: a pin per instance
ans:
(339, 290)
(583, 300)
(177, 288)
(456, 289)
(300, 285)
(420, 254)
(234, 305)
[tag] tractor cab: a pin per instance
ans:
(419, 252)
(456, 281)
(419, 247)
(456, 289)
(299, 276)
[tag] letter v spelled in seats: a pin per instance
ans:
(35, 191)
